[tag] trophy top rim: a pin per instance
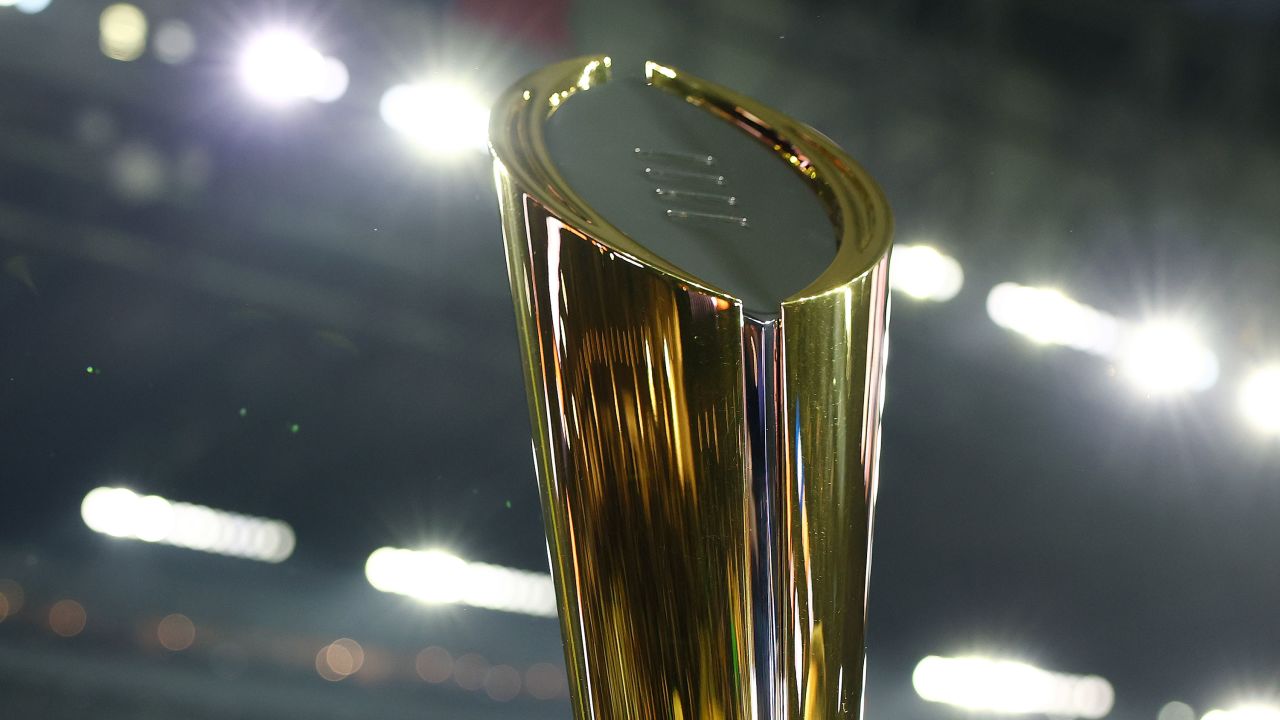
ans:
(855, 204)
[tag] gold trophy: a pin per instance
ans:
(700, 286)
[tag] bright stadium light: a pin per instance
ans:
(1049, 317)
(1009, 687)
(1164, 357)
(122, 32)
(924, 273)
(1245, 712)
(437, 577)
(281, 67)
(1260, 399)
(122, 513)
(440, 117)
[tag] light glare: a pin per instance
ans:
(924, 273)
(441, 117)
(1009, 687)
(1164, 357)
(1245, 712)
(122, 513)
(1047, 316)
(280, 67)
(1260, 399)
(438, 577)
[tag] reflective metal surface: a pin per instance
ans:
(707, 478)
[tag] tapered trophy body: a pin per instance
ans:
(700, 286)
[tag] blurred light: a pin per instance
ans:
(1048, 317)
(31, 7)
(1245, 712)
(333, 81)
(921, 272)
(122, 513)
(544, 681)
(1164, 357)
(1260, 399)
(137, 172)
(437, 577)
(434, 664)
(1004, 686)
(122, 32)
(8, 3)
(440, 117)
(95, 127)
(174, 42)
(67, 618)
(469, 671)
(11, 598)
(176, 632)
(339, 659)
(1176, 711)
(502, 683)
(280, 67)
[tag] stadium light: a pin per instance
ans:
(281, 67)
(1009, 687)
(1260, 399)
(924, 273)
(1164, 357)
(441, 117)
(438, 577)
(1047, 316)
(1245, 712)
(122, 513)
(122, 32)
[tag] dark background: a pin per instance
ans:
(311, 266)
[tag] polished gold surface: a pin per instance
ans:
(638, 375)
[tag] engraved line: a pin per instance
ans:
(695, 215)
(660, 174)
(696, 158)
(678, 195)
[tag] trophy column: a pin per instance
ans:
(707, 470)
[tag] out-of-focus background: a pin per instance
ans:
(264, 449)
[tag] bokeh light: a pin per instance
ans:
(67, 618)
(1164, 357)
(434, 664)
(1009, 687)
(924, 273)
(441, 117)
(1259, 399)
(122, 32)
(30, 7)
(1253, 711)
(544, 681)
(339, 659)
(438, 577)
(174, 42)
(11, 598)
(1047, 316)
(122, 513)
(1176, 710)
(176, 632)
(502, 683)
(470, 670)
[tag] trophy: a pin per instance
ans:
(700, 285)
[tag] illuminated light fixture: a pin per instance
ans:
(280, 67)
(1049, 317)
(1260, 399)
(924, 273)
(440, 117)
(437, 577)
(174, 42)
(1165, 357)
(122, 32)
(1009, 687)
(122, 513)
(1245, 712)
